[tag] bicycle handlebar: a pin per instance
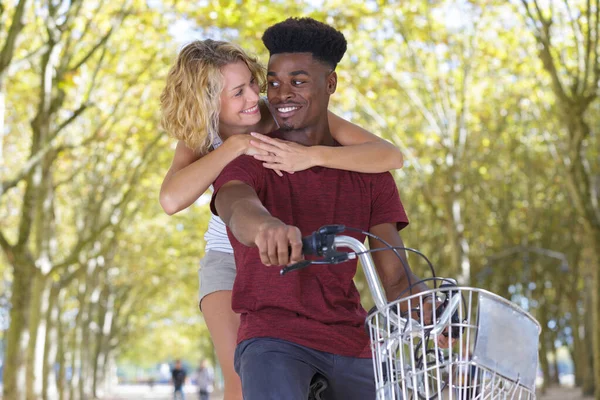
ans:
(324, 242)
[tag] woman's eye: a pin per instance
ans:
(239, 93)
(252, 81)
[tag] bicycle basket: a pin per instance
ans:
(486, 350)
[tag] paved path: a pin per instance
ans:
(158, 392)
(163, 392)
(563, 394)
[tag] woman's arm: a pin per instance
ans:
(190, 175)
(361, 151)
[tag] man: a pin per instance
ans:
(178, 376)
(309, 322)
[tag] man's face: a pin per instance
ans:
(298, 89)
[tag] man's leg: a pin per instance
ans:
(273, 369)
(351, 379)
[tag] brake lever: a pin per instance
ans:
(293, 267)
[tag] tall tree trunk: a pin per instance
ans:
(49, 388)
(577, 353)
(37, 329)
(555, 371)
(17, 338)
(74, 385)
(85, 381)
(589, 385)
(543, 352)
(596, 316)
(103, 311)
(62, 357)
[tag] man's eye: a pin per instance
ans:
(298, 83)
(274, 84)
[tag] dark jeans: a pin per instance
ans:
(274, 369)
(204, 395)
(178, 393)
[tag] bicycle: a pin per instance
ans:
(471, 345)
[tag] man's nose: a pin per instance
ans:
(285, 92)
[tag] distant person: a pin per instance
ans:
(205, 377)
(178, 376)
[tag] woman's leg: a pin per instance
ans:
(223, 326)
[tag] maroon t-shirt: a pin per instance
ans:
(319, 306)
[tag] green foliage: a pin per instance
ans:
(461, 86)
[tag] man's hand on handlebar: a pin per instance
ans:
(425, 316)
(275, 240)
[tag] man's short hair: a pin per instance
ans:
(306, 35)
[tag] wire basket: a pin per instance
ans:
(476, 345)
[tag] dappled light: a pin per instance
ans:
(494, 105)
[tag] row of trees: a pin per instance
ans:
(79, 83)
(494, 104)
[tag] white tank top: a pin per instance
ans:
(216, 235)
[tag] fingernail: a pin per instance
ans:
(253, 133)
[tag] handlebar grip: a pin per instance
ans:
(310, 245)
(315, 243)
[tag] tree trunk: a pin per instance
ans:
(17, 334)
(555, 371)
(543, 352)
(595, 331)
(49, 387)
(588, 382)
(577, 353)
(37, 329)
(62, 356)
(104, 315)
(74, 385)
(85, 379)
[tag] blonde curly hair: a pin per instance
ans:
(190, 101)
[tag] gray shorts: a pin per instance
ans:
(217, 272)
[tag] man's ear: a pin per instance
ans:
(331, 83)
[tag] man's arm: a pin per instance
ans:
(390, 269)
(251, 223)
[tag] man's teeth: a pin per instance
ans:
(286, 109)
(250, 110)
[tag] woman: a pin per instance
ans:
(210, 104)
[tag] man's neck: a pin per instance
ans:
(310, 136)
(226, 131)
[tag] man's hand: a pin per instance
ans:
(274, 241)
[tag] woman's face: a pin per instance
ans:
(239, 98)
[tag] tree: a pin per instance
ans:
(79, 67)
(576, 86)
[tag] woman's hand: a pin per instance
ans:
(282, 155)
(243, 145)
